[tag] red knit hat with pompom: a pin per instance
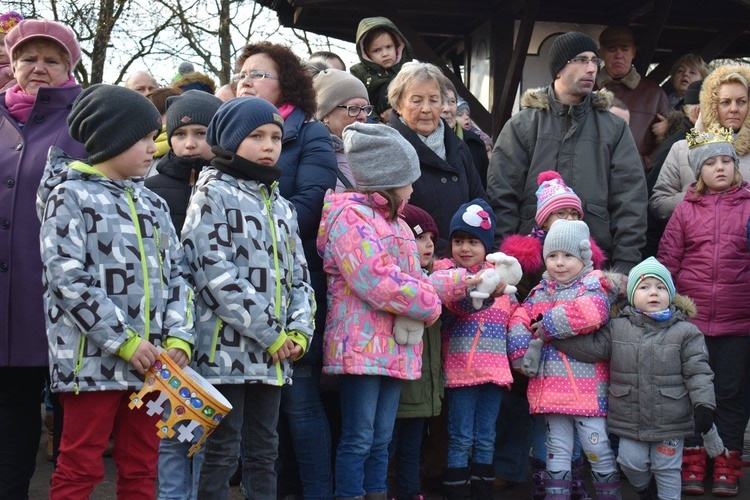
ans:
(553, 194)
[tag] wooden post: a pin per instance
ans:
(656, 19)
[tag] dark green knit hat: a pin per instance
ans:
(108, 119)
(194, 107)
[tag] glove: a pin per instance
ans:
(704, 418)
(407, 331)
(712, 443)
(532, 358)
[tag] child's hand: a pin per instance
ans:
(296, 352)
(473, 280)
(144, 356)
(284, 351)
(178, 356)
(499, 290)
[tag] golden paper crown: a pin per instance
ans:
(194, 402)
(713, 134)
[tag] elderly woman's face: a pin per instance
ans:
(684, 76)
(420, 106)
(733, 105)
(449, 109)
(261, 79)
(339, 118)
(40, 63)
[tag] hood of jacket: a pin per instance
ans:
(403, 48)
(709, 100)
(543, 99)
(62, 168)
(682, 308)
(734, 196)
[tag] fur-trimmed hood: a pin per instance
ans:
(709, 99)
(539, 98)
(195, 81)
(685, 304)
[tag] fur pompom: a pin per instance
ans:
(526, 249)
(597, 255)
(547, 175)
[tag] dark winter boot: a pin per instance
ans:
(482, 479)
(557, 484)
(578, 487)
(607, 486)
(538, 470)
(456, 483)
(649, 492)
(727, 472)
(693, 470)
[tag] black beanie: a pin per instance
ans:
(692, 95)
(109, 119)
(194, 107)
(567, 46)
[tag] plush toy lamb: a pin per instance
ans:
(507, 270)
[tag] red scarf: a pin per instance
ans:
(19, 103)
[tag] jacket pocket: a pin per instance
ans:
(600, 224)
(675, 405)
(619, 402)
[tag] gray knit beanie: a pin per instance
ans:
(194, 107)
(109, 119)
(237, 117)
(716, 141)
(569, 236)
(334, 87)
(379, 157)
(567, 46)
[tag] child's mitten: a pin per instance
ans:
(407, 331)
(490, 280)
(704, 418)
(712, 443)
(532, 358)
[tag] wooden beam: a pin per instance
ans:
(424, 52)
(501, 57)
(656, 20)
(502, 107)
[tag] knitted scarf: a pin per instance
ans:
(19, 103)
(242, 168)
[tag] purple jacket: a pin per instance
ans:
(705, 248)
(23, 341)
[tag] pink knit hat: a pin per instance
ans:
(552, 195)
(42, 28)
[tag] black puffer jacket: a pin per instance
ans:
(174, 183)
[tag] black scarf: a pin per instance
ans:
(241, 168)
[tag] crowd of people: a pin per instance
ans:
(305, 231)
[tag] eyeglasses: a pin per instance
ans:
(255, 74)
(568, 214)
(354, 111)
(584, 61)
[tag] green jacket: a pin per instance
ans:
(422, 398)
(375, 78)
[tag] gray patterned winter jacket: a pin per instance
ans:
(251, 279)
(102, 272)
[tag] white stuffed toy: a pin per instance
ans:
(507, 270)
(407, 331)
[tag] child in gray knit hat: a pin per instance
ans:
(572, 299)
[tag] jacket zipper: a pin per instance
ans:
(144, 266)
(79, 362)
(161, 260)
(716, 262)
(477, 336)
(277, 305)
(217, 329)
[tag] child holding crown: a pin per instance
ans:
(705, 247)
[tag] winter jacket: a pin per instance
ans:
(705, 247)
(658, 158)
(23, 341)
(675, 178)
(564, 385)
(344, 170)
(645, 99)
(422, 398)
(528, 250)
(308, 171)
(373, 275)
(251, 280)
(106, 278)
(375, 77)
(455, 179)
(474, 341)
(175, 183)
(478, 154)
(594, 152)
(658, 372)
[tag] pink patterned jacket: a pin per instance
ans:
(373, 275)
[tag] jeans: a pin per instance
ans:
(178, 474)
(20, 424)
(472, 413)
(309, 432)
(514, 432)
(368, 412)
(257, 407)
(662, 459)
(406, 445)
